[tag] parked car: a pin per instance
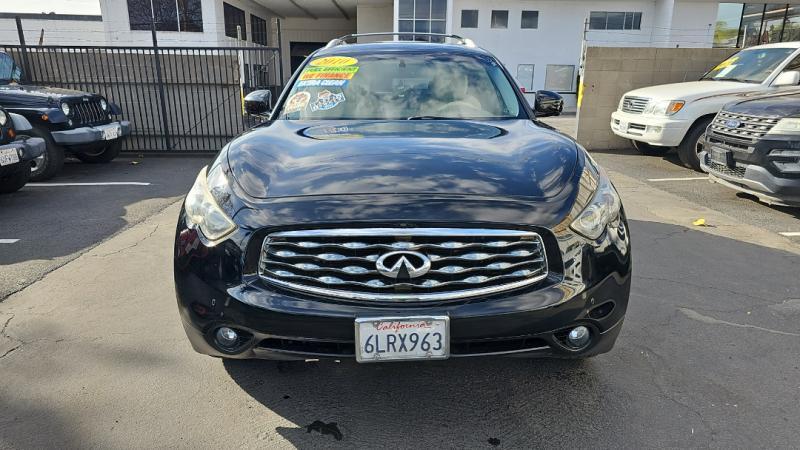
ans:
(753, 146)
(401, 203)
(16, 151)
(548, 103)
(657, 118)
(74, 122)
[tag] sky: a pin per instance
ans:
(57, 6)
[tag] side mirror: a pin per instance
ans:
(258, 103)
(788, 78)
(547, 103)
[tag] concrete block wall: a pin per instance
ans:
(610, 72)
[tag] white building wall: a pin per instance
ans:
(374, 17)
(56, 32)
(310, 30)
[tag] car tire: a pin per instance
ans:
(52, 160)
(104, 155)
(687, 150)
(14, 181)
(649, 150)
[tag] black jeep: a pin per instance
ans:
(16, 151)
(74, 122)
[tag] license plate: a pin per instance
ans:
(402, 338)
(720, 156)
(623, 126)
(9, 156)
(110, 133)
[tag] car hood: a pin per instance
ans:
(776, 105)
(16, 94)
(694, 90)
(499, 158)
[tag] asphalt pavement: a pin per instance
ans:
(93, 355)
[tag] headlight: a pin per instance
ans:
(202, 208)
(664, 107)
(65, 109)
(103, 104)
(3, 119)
(786, 126)
(601, 209)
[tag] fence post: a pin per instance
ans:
(164, 121)
(25, 65)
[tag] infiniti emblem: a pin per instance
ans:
(403, 265)
(733, 123)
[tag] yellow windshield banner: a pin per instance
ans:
(726, 63)
(334, 61)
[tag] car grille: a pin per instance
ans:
(749, 129)
(737, 172)
(88, 113)
(344, 263)
(634, 105)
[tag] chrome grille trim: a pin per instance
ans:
(87, 112)
(752, 128)
(634, 105)
(341, 263)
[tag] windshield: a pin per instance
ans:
(749, 66)
(401, 86)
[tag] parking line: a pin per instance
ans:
(678, 179)
(790, 233)
(107, 183)
(8, 241)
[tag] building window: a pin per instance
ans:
(168, 15)
(422, 16)
(726, 28)
(258, 29)
(791, 26)
(234, 17)
(499, 19)
(559, 78)
(525, 77)
(469, 18)
(530, 19)
(605, 20)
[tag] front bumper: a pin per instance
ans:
(89, 135)
(27, 149)
(754, 180)
(660, 131)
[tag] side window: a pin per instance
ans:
(6, 67)
(793, 65)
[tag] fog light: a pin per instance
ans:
(578, 336)
(227, 337)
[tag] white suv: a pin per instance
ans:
(656, 118)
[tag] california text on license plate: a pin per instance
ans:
(402, 338)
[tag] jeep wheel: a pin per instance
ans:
(51, 161)
(14, 181)
(103, 155)
(687, 151)
(649, 150)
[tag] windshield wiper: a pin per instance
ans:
(428, 118)
(730, 79)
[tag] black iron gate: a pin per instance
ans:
(177, 98)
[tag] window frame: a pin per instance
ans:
(477, 17)
(256, 32)
(522, 19)
(230, 26)
(635, 20)
(498, 13)
(528, 88)
(147, 6)
(421, 23)
(570, 90)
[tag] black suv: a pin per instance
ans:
(69, 121)
(402, 202)
(753, 146)
(16, 151)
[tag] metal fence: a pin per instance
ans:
(177, 98)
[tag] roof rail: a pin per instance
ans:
(343, 39)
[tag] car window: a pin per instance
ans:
(793, 64)
(749, 66)
(401, 86)
(6, 68)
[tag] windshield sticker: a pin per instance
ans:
(334, 61)
(725, 71)
(329, 73)
(726, 63)
(322, 83)
(297, 102)
(326, 100)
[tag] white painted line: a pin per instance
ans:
(678, 179)
(8, 241)
(790, 233)
(108, 183)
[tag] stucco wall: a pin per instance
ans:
(56, 32)
(612, 71)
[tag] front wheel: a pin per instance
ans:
(649, 150)
(14, 181)
(103, 155)
(688, 149)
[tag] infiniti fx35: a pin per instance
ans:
(401, 202)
